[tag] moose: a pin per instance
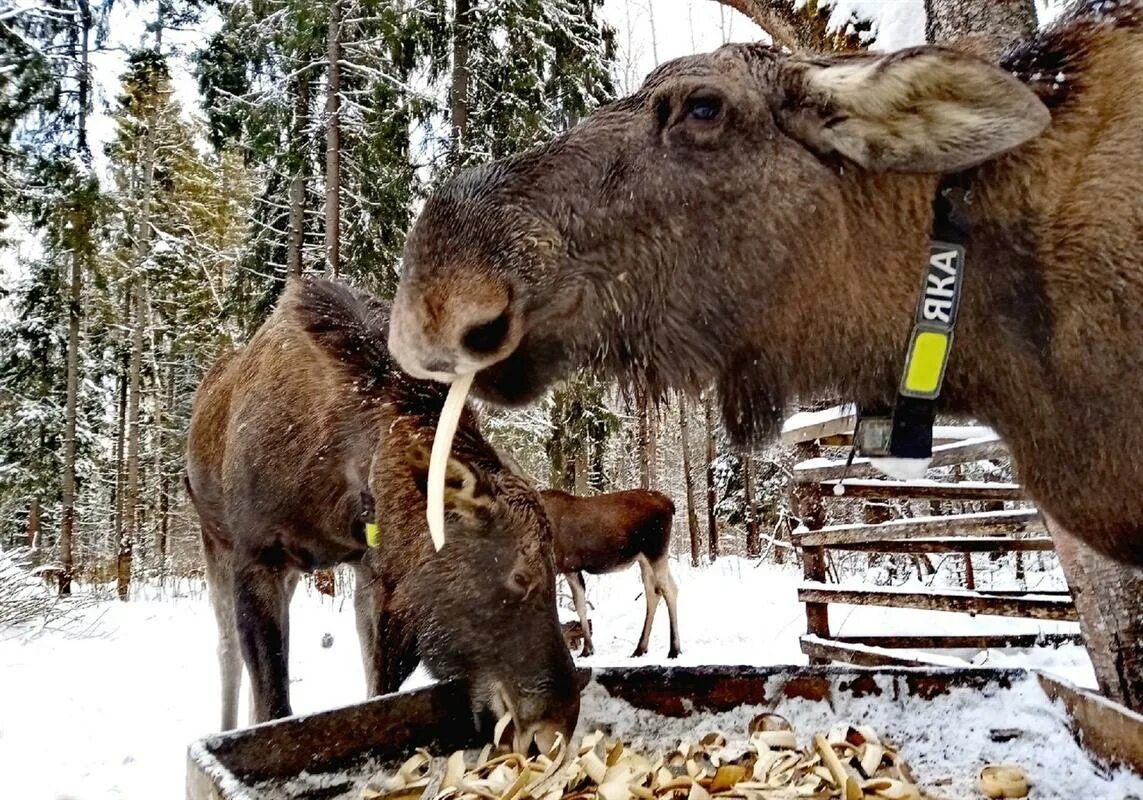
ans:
(758, 221)
(607, 533)
(302, 441)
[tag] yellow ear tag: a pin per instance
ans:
(372, 534)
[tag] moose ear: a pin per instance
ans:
(926, 109)
(467, 491)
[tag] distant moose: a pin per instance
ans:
(607, 533)
(759, 221)
(308, 434)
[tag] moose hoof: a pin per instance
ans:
(673, 652)
(586, 651)
(639, 652)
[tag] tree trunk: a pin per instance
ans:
(81, 222)
(753, 540)
(597, 478)
(132, 499)
(156, 427)
(652, 444)
(581, 471)
(120, 445)
(67, 526)
(34, 524)
(644, 441)
(298, 182)
(164, 530)
(688, 481)
(1109, 598)
(333, 143)
(994, 24)
(462, 26)
(711, 523)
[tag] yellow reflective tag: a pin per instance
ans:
(372, 534)
(926, 362)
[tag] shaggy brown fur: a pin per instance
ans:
(760, 221)
(607, 533)
(291, 440)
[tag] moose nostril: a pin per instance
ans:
(487, 337)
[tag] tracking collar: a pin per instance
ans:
(900, 444)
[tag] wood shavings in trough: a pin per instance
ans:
(851, 764)
(946, 740)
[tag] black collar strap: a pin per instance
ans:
(906, 437)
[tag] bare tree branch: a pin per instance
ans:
(770, 19)
(801, 29)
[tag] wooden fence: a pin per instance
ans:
(1018, 530)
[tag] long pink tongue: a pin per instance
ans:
(442, 447)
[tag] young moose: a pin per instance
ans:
(760, 221)
(606, 533)
(304, 436)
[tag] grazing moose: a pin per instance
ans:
(759, 221)
(308, 434)
(607, 533)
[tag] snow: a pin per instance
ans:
(896, 23)
(107, 707)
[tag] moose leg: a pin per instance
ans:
(261, 605)
(220, 581)
(651, 593)
(665, 585)
(367, 609)
(399, 649)
(579, 597)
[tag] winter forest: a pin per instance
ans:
(164, 166)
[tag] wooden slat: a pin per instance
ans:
(968, 491)
(979, 449)
(967, 544)
(955, 525)
(988, 641)
(1033, 606)
(807, 426)
(866, 656)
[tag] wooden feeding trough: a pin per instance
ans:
(960, 718)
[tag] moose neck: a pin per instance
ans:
(840, 330)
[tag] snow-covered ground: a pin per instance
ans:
(107, 708)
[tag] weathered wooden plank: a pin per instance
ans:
(967, 544)
(985, 523)
(988, 641)
(1033, 606)
(868, 488)
(1107, 729)
(817, 614)
(806, 426)
(867, 656)
(982, 448)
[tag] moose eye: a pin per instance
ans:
(520, 582)
(704, 109)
